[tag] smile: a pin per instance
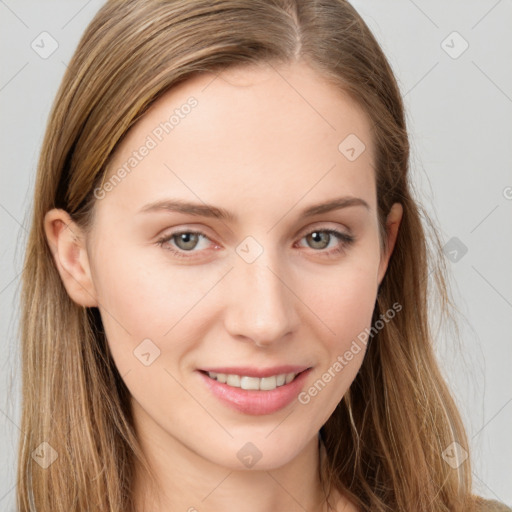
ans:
(253, 383)
(266, 393)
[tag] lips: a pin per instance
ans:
(255, 391)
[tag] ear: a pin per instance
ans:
(392, 224)
(67, 243)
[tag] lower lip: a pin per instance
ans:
(256, 402)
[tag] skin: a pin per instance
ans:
(262, 142)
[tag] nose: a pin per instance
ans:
(262, 307)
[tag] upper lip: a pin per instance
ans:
(256, 372)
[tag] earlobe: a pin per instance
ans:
(67, 244)
(392, 225)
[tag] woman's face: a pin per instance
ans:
(216, 250)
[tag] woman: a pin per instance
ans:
(225, 294)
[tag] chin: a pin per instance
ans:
(261, 451)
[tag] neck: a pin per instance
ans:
(188, 482)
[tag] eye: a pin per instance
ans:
(184, 241)
(321, 239)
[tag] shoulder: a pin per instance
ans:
(483, 505)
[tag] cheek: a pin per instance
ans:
(352, 306)
(345, 304)
(343, 299)
(142, 294)
(142, 298)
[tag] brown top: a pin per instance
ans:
(491, 506)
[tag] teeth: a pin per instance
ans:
(268, 383)
(249, 383)
(254, 383)
(233, 380)
(289, 377)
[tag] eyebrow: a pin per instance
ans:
(206, 210)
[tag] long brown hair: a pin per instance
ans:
(385, 440)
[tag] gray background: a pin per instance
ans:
(459, 108)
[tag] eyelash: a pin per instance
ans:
(346, 241)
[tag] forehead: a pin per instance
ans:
(263, 132)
